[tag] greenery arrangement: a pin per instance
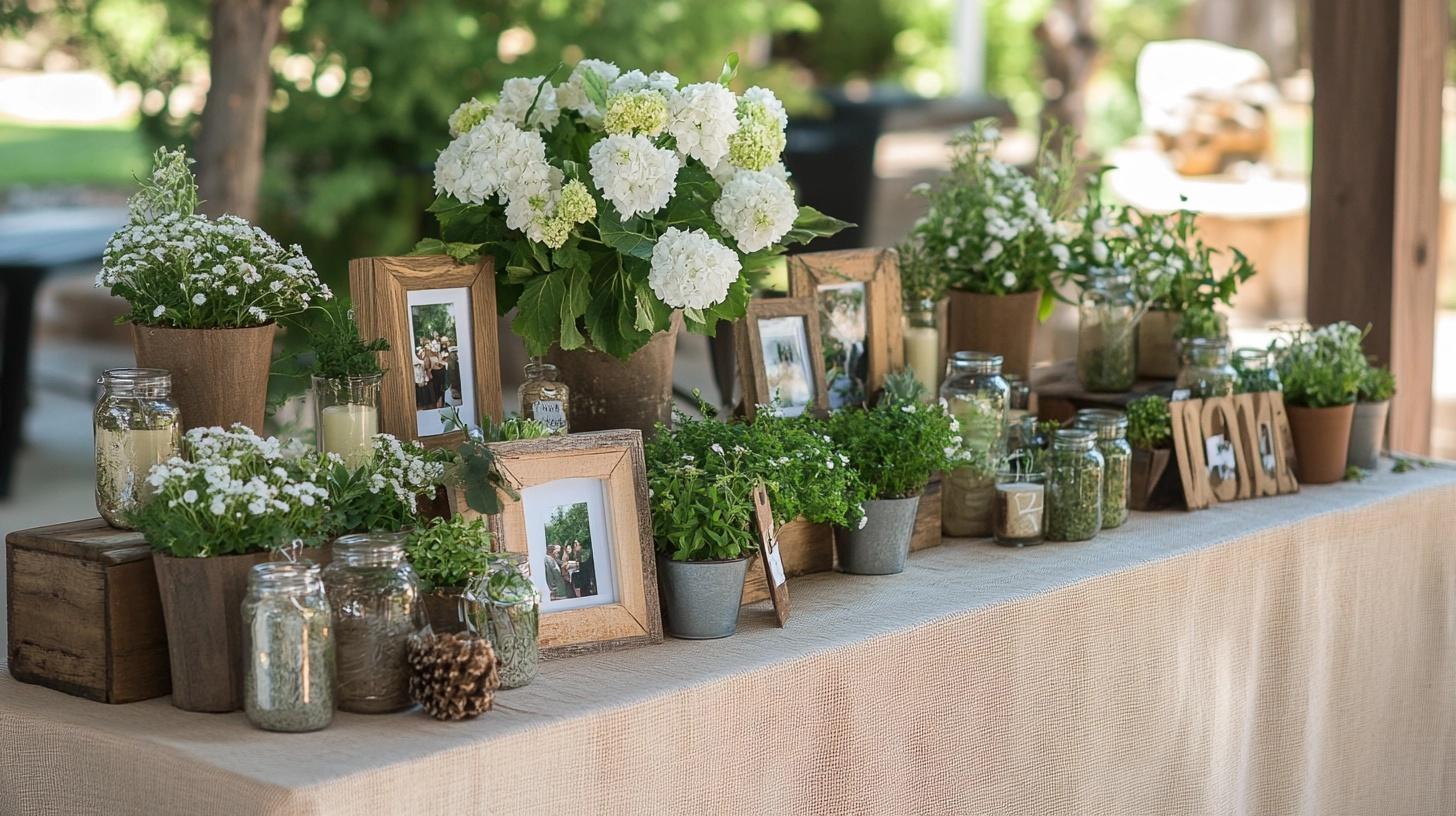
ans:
(472, 467)
(896, 445)
(1149, 423)
(449, 552)
(1321, 368)
(922, 277)
(177, 268)
(338, 351)
(1191, 287)
(381, 494)
(1377, 384)
(611, 199)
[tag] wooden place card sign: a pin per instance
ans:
(1232, 448)
(773, 562)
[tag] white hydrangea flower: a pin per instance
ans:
(756, 209)
(633, 173)
(516, 97)
(635, 80)
(571, 94)
(769, 103)
(470, 113)
(690, 270)
(494, 157)
(703, 118)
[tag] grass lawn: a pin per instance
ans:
(107, 155)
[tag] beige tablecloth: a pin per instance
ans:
(1292, 655)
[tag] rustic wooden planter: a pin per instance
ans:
(202, 603)
(1155, 484)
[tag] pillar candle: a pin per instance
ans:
(349, 430)
(922, 355)
(123, 459)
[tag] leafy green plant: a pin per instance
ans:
(1149, 423)
(1172, 248)
(338, 351)
(805, 472)
(1355, 474)
(922, 277)
(1200, 320)
(473, 468)
(449, 552)
(1377, 384)
(381, 494)
(1321, 368)
(702, 476)
(897, 444)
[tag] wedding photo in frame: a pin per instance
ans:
(440, 320)
(861, 335)
(780, 359)
(582, 521)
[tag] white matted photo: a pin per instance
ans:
(788, 366)
(569, 534)
(443, 361)
(844, 335)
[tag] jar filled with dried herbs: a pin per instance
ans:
(288, 647)
(1111, 429)
(975, 394)
(504, 606)
(1074, 486)
(377, 605)
(544, 397)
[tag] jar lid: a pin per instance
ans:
(976, 362)
(292, 576)
(136, 377)
(1251, 354)
(1074, 438)
(537, 367)
(1206, 344)
(370, 549)
(1105, 422)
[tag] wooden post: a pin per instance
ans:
(1374, 187)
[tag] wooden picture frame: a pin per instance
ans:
(775, 578)
(876, 273)
(386, 293)
(551, 474)
(752, 372)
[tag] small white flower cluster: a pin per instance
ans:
(402, 469)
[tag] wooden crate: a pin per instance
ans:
(84, 614)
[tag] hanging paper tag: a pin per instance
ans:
(775, 563)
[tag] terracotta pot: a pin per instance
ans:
(201, 600)
(1367, 434)
(1155, 482)
(219, 376)
(1157, 350)
(1000, 324)
(442, 605)
(610, 394)
(1321, 441)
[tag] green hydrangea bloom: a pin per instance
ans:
(470, 113)
(759, 141)
(576, 205)
(643, 112)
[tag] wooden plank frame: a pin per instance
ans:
(380, 287)
(615, 458)
(751, 371)
(879, 271)
(776, 579)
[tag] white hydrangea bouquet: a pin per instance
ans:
(997, 230)
(613, 198)
(177, 268)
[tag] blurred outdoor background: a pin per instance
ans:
(1205, 102)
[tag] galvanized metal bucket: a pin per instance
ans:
(881, 546)
(700, 599)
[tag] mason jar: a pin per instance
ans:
(504, 606)
(1018, 400)
(544, 397)
(136, 425)
(346, 416)
(976, 395)
(1256, 370)
(1111, 429)
(1074, 486)
(1019, 518)
(922, 344)
(1107, 322)
(377, 606)
(288, 647)
(1206, 371)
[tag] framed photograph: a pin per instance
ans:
(439, 318)
(860, 318)
(583, 523)
(779, 356)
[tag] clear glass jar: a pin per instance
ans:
(1018, 400)
(1206, 371)
(544, 397)
(504, 606)
(1256, 370)
(288, 648)
(1111, 429)
(136, 425)
(1026, 435)
(377, 606)
(1107, 322)
(1019, 518)
(975, 394)
(922, 343)
(346, 416)
(1074, 486)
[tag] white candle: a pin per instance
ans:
(922, 355)
(349, 430)
(1019, 510)
(123, 459)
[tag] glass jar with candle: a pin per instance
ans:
(1206, 371)
(288, 648)
(1074, 486)
(544, 397)
(1255, 367)
(136, 425)
(975, 394)
(504, 606)
(1107, 322)
(922, 344)
(1019, 519)
(377, 606)
(346, 416)
(1111, 429)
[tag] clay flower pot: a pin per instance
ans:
(219, 376)
(610, 394)
(1000, 324)
(1321, 441)
(201, 605)
(1367, 434)
(881, 546)
(700, 599)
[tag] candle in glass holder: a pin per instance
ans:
(922, 345)
(1019, 511)
(136, 425)
(348, 429)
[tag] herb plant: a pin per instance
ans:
(449, 552)
(923, 277)
(897, 444)
(381, 494)
(473, 468)
(1377, 384)
(1149, 423)
(338, 351)
(1321, 368)
(1172, 243)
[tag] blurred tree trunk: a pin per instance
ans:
(234, 120)
(1068, 56)
(1269, 28)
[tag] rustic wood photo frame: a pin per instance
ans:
(811, 274)
(770, 555)
(380, 290)
(615, 459)
(752, 371)
(1256, 427)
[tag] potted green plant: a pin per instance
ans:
(895, 446)
(1155, 483)
(447, 554)
(619, 205)
(382, 494)
(204, 296)
(344, 378)
(1000, 234)
(1372, 406)
(232, 503)
(1321, 370)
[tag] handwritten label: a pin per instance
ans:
(550, 413)
(775, 563)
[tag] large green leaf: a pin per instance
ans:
(625, 237)
(460, 251)
(612, 318)
(813, 224)
(548, 308)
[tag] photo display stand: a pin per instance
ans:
(1232, 448)
(770, 555)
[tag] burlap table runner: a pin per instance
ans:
(1292, 655)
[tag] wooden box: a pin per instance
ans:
(84, 614)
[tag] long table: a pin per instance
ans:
(1275, 656)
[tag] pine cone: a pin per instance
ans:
(453, 676)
